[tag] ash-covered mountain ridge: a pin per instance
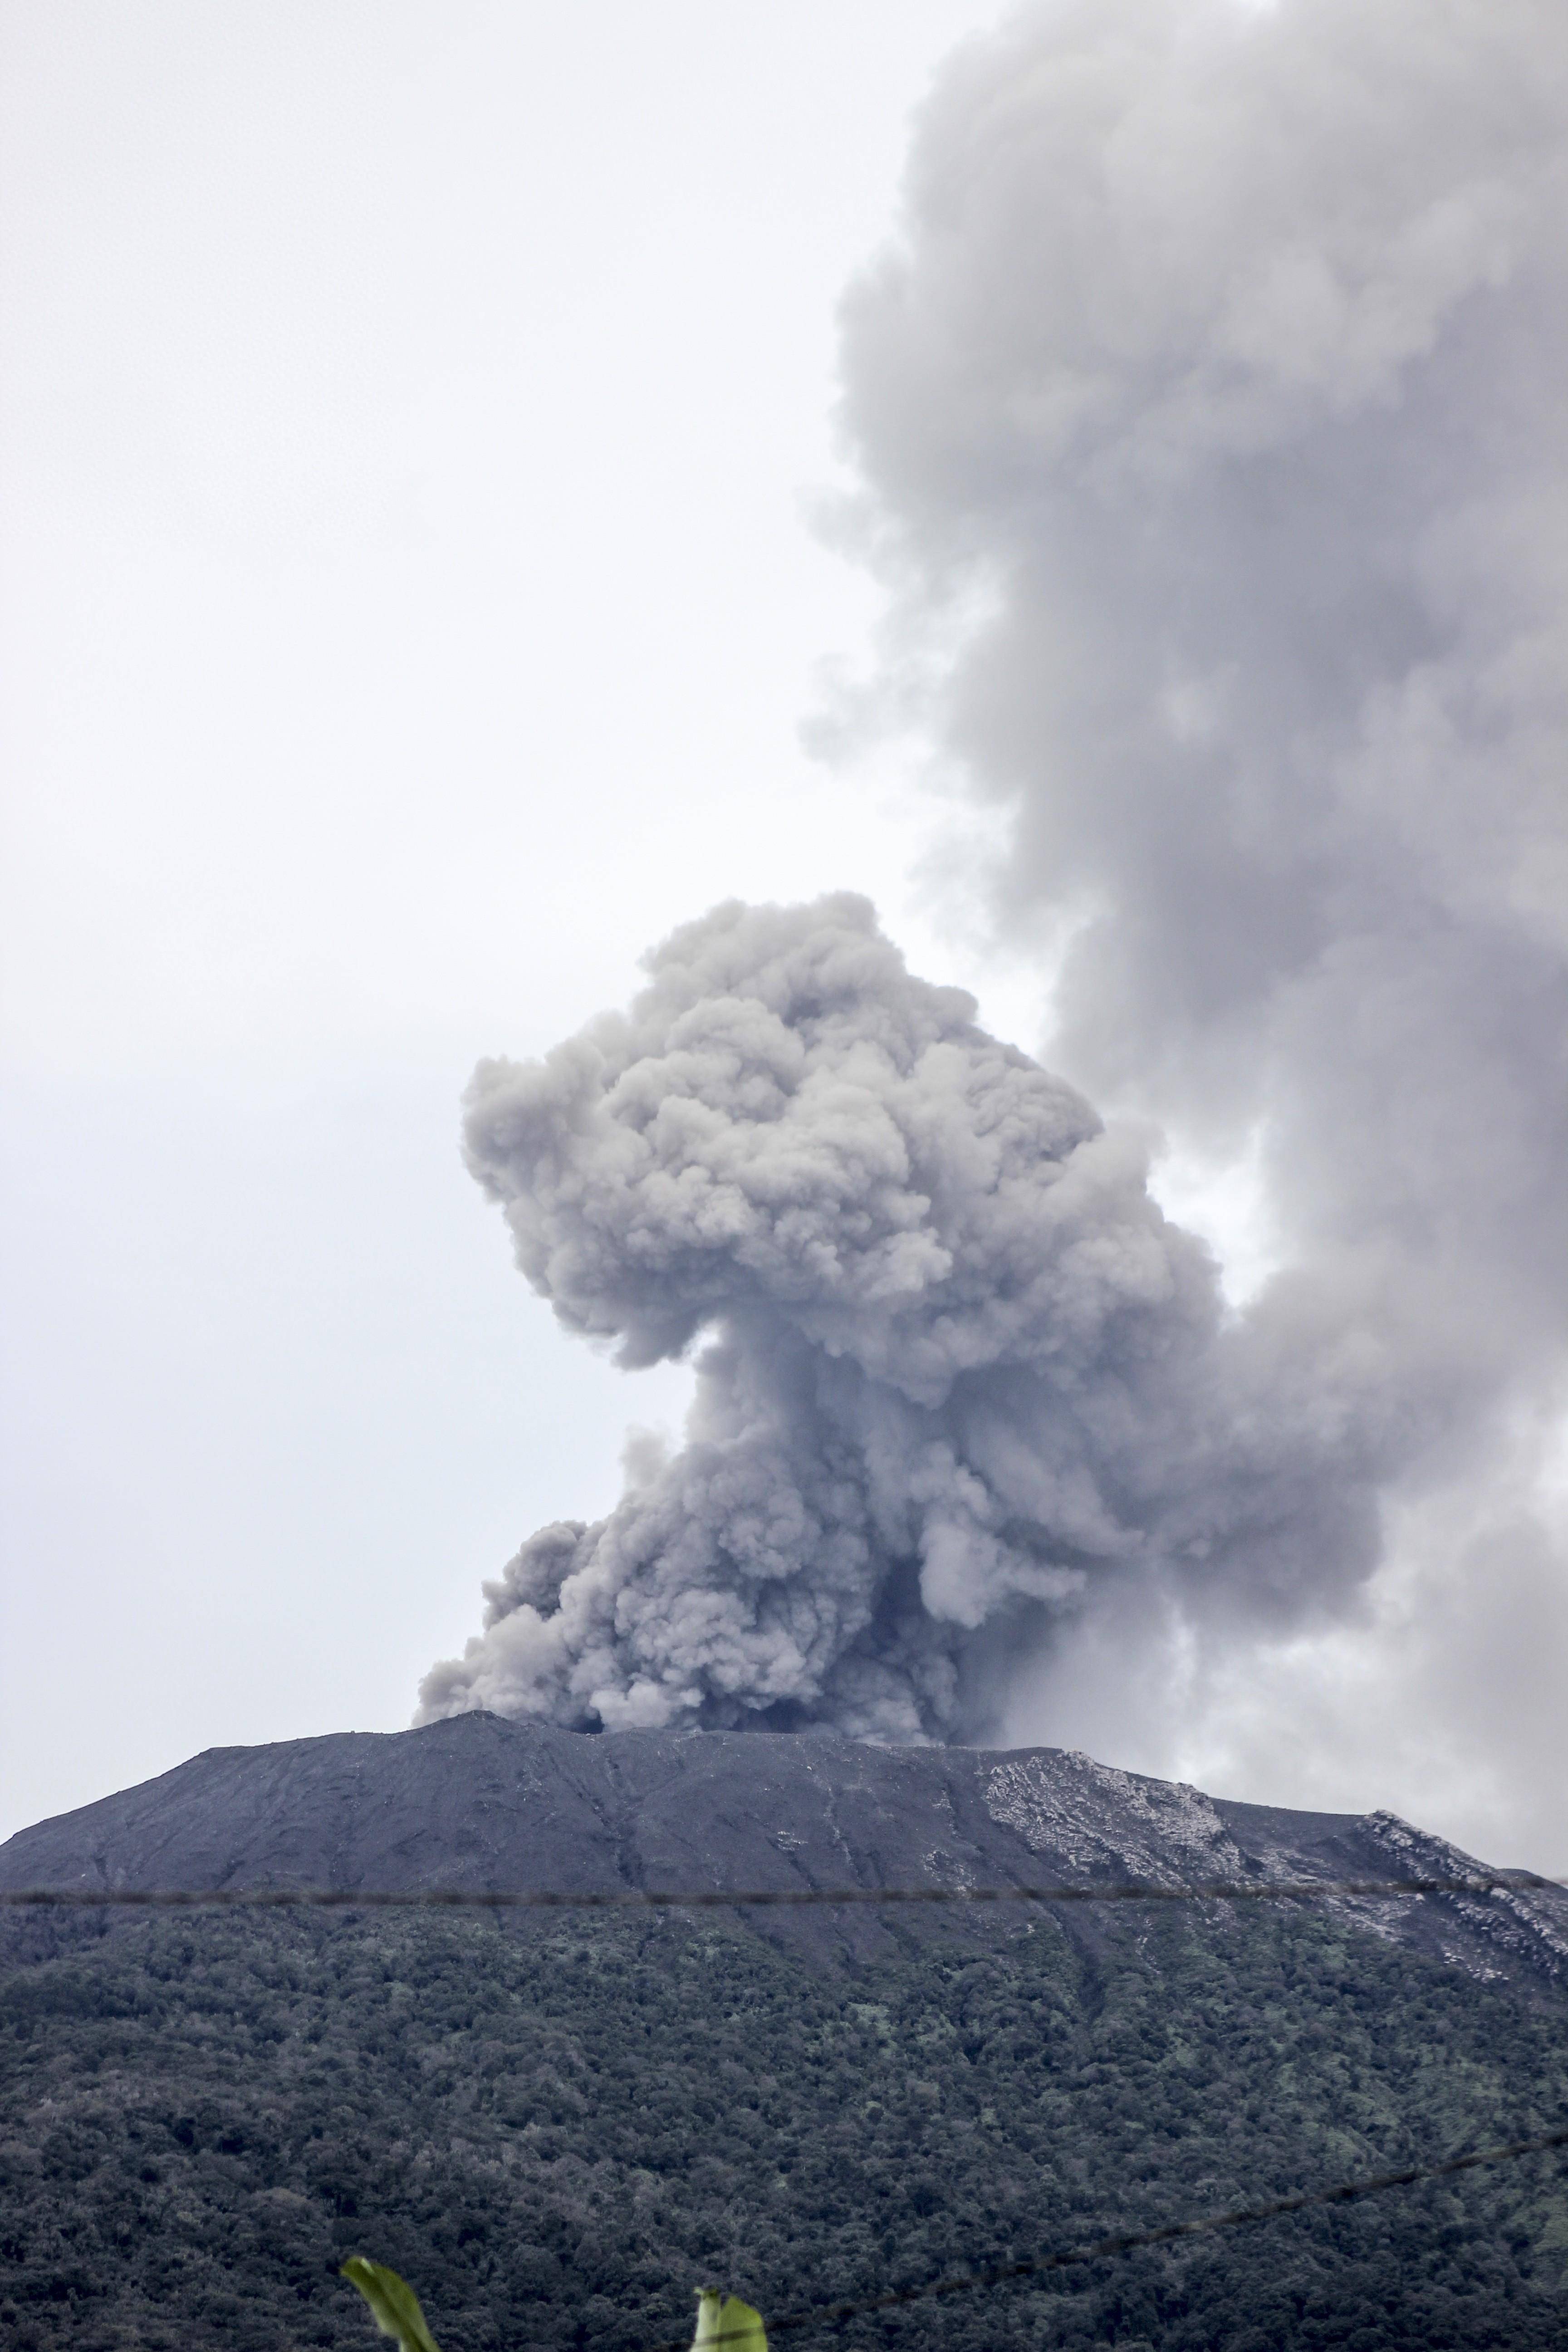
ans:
(481, 1804)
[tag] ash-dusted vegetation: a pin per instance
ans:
(557, 2132)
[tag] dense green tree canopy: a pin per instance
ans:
(557, 2132)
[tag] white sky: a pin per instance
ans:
(409, 613)
(409, 610)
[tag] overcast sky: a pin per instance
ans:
(416, 424)
(410, 613)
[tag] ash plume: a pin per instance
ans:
(956, 1370)
(1207, 416)
(1215, 374)
(1226, 347)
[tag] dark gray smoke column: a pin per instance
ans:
(1212, 405)
(1218, 374)
(956, 1369)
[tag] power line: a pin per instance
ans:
(634, 1898)
(1127, 2242)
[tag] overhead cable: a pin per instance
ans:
(635, 1899)
(1127, 2242)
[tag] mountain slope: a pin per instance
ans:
(558, 2126)
(481, 1802)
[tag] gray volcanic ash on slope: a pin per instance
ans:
(958, 1370)
(481, 1804)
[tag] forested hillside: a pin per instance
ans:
(558, 2130)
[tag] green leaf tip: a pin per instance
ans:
(725, 2320)
(394, 2305)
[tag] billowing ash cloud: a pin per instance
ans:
(956, 1365)
(1227, 347)
(1217, 377)
(1211, 404)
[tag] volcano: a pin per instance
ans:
(558, 2123)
